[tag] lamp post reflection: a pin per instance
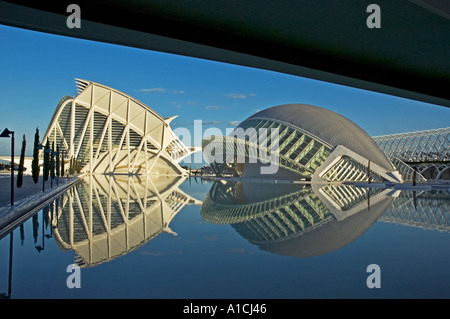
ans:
(7, 295)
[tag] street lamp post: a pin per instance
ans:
(7, 133)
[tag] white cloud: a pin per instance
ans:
(161, 90)
(213, 107)
(233, 123)
(235, 96)
(211, 122)
(238, 96)
(152, 90)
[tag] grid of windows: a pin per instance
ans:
(297, 152)
(347, 169)
(267, 220)
(408, 173)
(222, 197)
(347, 197)
(114, 133)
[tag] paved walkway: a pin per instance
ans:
(27, 198)
(28, 188)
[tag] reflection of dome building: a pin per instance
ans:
(305, 142)
(295, 220)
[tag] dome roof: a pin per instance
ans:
(328, 126)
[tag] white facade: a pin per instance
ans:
(300, 142)
(109, 132)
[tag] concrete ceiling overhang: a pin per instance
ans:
(408, 56)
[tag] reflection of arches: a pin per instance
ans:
(104, 217)
(293, 219)
(426, 210)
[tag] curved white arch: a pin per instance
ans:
(109, 131)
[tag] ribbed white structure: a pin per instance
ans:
(329, 127)
(309, 143)
(108, 131)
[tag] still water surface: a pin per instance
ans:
(187, 238)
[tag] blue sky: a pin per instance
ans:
(38, 69)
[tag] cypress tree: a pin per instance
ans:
(46, 161)
(57, 161)
(52, 161)
(21, 163)
(78, 166)
(71, 169)
(62, 163)
(35, 163)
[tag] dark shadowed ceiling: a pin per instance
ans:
(409, 56)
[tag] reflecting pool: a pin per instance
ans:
(172, 237)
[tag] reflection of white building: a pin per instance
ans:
(422, 209)
(297, 220)
(307, 142)
(111, 132)
(104, 217)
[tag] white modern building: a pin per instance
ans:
(110, 132)
(427, 152)
(300, 142)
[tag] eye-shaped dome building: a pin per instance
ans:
(300, 142)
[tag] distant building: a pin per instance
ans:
(300, 142)
(5, 164)
(425, 154)
(108, 131)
